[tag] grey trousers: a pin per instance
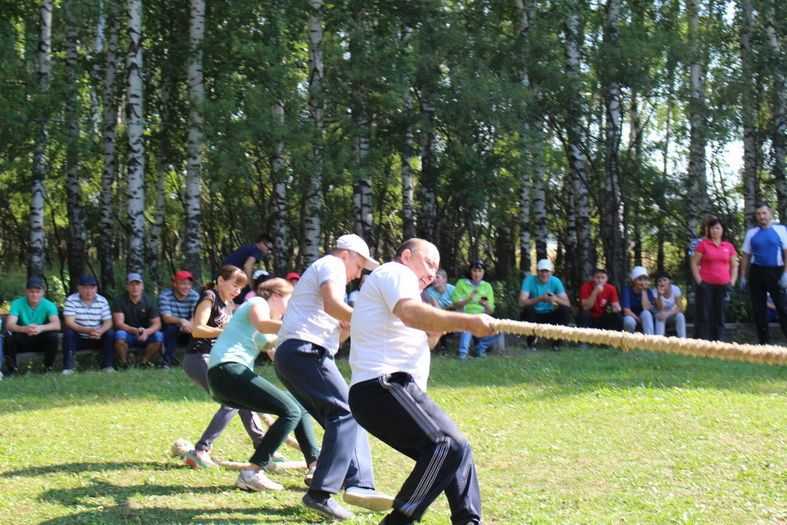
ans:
(196, 367)
(309, 372)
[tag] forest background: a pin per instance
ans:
(149, 135)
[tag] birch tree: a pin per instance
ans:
(192, 245)
(362, 180)
(312, 221)
(697, 201)
(136, 143)
(777, 65)
(280, 180)
(43, 70)
(109, 134)
(748, 113)
(76, 222)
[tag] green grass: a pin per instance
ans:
(596, 436)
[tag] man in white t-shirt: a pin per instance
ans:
(308, 340)
(391, 333)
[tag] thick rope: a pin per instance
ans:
(768, 354)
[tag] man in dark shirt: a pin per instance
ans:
(137, 322)
(246, 257)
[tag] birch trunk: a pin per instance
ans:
(279, 178)
(779, 107)
(192, 244)
(95, 69)
(153, 248)
(428, 217)
(109, 132)
(540, 209)
(578, 174)
(76, 223)
(362, 181)
(612, 220)
(747, 114)
(310, 249)
(697, 183)
(408, 158)
(43, 69)
(136, 141)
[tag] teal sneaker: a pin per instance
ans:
(198, 459)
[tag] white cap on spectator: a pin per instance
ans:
(356, 244)
(637, 272)
(545, 264)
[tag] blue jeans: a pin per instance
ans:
(73, 341)
(131, 339)
(481, 344)
(172, 335)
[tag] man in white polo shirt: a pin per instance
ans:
(304, 361)
(391, 333)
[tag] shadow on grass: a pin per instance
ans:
(122, 511)
(91, 467)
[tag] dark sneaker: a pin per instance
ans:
(307, 480)
(368, 499)
(328, 508)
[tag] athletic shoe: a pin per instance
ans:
(368, 499)
(386, 521)
(307, 480)
(198, 459)
(256, 480)
(328, 508)
(67, 372)
(108, 370)
(181, 447)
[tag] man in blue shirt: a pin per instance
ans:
(246, 257)
(637, 303)
(762, 269)
(543, 299)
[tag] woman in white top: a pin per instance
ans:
(669, 306)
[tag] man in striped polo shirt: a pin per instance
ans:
(88, 325)
(762, 268)
(176, 306)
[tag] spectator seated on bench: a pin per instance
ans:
(177, 305)
(543, 300)
(137, 322)
(32, 326)
(88, 321)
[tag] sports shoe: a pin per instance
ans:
(256, 480)
(368, 499)
(307, 479)
(108, 370)
(198, 459)
(67, 372)
(328, 508)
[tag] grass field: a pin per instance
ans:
(593, 436)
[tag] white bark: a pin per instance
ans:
(697, 183)
(408, 190)
(747, 114)
(76, 222)
(192, 244)
(280, 183)
(95, 69)
(779, 108)
(43, 69)
(310, 249)
(428, 216)
(109, 132)
(136, 142)
(362, 181)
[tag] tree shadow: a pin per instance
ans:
(90, 467)
(122, 511)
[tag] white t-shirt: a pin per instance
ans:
(305, 317)
(668, 303)
(380, 343)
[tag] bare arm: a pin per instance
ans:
(733, 270)
(694, 262)
(562, 299)
(745, 265)
(11, 326)
(71, 324)
(261, 320)
(525, 300)
(588, 303)
(155, 326)
(201, 316)
(120, 323)
(248, 268)
(333, 301)
(416, 314)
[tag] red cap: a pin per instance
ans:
(183, 274)
(293, 275)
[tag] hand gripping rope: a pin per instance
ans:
(767, 354)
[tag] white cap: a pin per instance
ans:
(545, 264)
(259, 273)
(354, 243)
(637, 272)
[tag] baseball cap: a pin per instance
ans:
(354, 243)
(637, 272)
(545, 264)
(293, 275)
(478, 263)
(133, 276)
(183, 274)
(87, 280)
(35, 282)
(259, 273)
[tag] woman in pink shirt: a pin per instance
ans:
(714, 266)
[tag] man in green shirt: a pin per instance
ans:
(32, 326)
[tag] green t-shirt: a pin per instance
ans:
(464, 287)
(26, 314)
(136, 314)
